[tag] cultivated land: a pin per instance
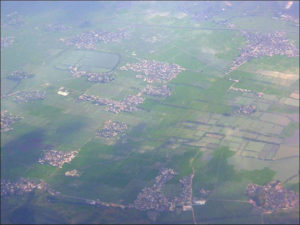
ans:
(192, 131)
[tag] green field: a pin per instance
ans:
(195, 130)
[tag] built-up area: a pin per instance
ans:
(7, 120)
(112, 129)
(57, 158)
(104, 77)
(27, 96)
(89, 39)
(271, 196)
(154, 71)
(264, 44)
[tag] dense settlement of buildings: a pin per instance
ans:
(6, 42)
(26, 96)
(88, 40)
(57, 27)
(72, 173)
(154, 71)
(261, 44)
(13, 19)
(7, 120)
(289, 18)
(112, 129)
(93, 77)
(19, 75)
(57, 158)
(267, 198)
(128, 104)
(152, 198)
(246, 109)
(271, 196)
(186, 197)
(21, 186)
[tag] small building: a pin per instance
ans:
(200, 202)
(186, 207)
(91, 202)
(63, 93)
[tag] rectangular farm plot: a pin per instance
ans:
(243, 100)
(284, 79)
(269, 139)
(290, 101)
(215, 129)
(248, 135)
(203, 117)
(244, 123)
(268, 152)
(204, 127)
(272, 98)
(262, 106)
(249, 154)
(210, 140)
(234, 146)
(199, 133)
(276, 119)
(255, 146)
(265, 128)
(287, 151)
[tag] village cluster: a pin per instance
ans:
(72, 173)
(13, 19)
(246, 109)
(26, 96)
(112, 129)
(271, 196)
(88, 40)
(19, 75)
(7, 120)
(20, 187)
(186, 198)
(152, 198)
(57, 27)
(93, 77)
(154, 71)
(6, 42)
(128, 104)
(260, 44)
(57, 158)
(289, 18)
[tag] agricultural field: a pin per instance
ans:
(107, 105)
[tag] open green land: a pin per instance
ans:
(196, 130)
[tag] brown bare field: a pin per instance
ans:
(287, 151)
(276, 74)
(295, 95)
(290, 101)
(284, 79)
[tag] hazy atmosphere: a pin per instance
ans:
(150, 112)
